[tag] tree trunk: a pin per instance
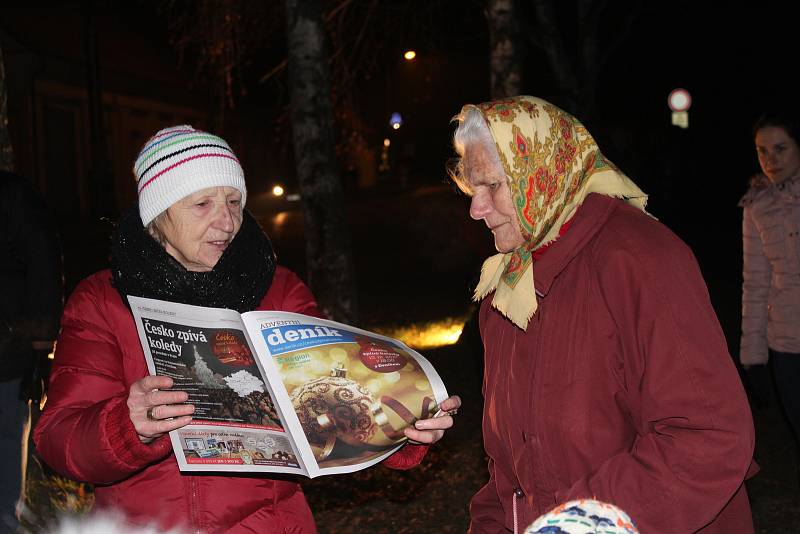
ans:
(504, 49)
(328, 254)
(562, 65)
(6, 151)
(578, 74)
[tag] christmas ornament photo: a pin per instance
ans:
(348, 418)
(281, 392)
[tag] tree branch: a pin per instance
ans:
(623, 34)
(327, 18)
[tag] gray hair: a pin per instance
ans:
(154, 228)
(472, 130)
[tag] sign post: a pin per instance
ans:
(679, 101)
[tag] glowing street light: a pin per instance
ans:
(277, 191)
(384, 165)
(409, 55)
(396, 120)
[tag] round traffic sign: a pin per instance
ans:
(679, 100)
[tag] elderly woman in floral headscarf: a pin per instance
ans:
(607, 374)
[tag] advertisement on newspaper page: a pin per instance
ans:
(284, 392)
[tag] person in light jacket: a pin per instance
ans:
(771, 261)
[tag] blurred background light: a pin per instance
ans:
(427, 335)
(396, 120)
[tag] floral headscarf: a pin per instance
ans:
(584, 516)
(552, 163)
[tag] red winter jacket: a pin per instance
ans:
(621, 389)
(86, 433)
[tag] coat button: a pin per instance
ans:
(518, 493)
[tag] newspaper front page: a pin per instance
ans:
(282, 392)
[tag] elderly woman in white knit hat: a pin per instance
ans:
(189, 240)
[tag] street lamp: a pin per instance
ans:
(410, 55)
(396, 121)
(384, 165)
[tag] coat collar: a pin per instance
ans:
(587, 221)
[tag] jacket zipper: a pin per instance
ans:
(518, 494)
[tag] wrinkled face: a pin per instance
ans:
(198, 228)
(491, 196)
(778, 153)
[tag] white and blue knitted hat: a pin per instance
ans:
(584, 516)
(179, 161)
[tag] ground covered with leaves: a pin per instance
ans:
(434, 496)
(398, 288)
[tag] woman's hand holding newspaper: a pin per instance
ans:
(431, 430)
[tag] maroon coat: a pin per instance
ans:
(622, 388)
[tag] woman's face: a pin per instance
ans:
(778, 153)
(198, 228)
(491, 197)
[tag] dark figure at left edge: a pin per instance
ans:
(31, 287)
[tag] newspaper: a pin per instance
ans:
(282, 392)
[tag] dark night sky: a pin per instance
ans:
(734, 58)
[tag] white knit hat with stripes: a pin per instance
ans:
(179, 161)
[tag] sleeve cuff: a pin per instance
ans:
(124, 443)
(407, 457)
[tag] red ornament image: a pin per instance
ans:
(379, 357)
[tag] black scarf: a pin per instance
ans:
(141, 267)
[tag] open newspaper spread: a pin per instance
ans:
(282, 392)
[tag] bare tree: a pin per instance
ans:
(231, 39)
(328, 257)
(6, 151)
(225, 38)
(505, 65)
(577, 63)
(221, 39)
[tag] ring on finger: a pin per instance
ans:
(150, 415)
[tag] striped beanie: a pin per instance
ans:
(179, 161)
